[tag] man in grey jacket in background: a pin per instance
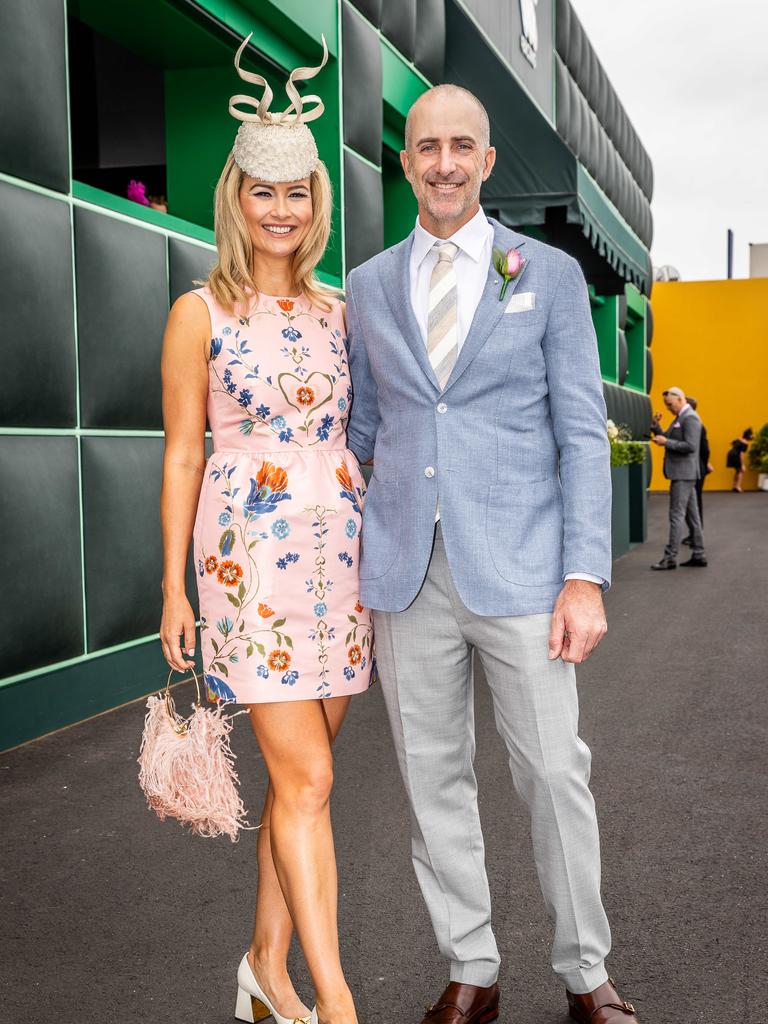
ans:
(681, 442)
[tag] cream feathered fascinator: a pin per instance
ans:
(270, 146)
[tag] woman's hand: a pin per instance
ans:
(178, 618)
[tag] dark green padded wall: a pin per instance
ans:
(186, 263)
(34, 135)
(122, 477)
(40, 527)
(37, 385)
(362, 85)
(122, 305)
(363, 211)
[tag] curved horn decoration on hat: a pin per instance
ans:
(297, 102)
(262, 106)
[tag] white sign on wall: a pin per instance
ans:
(529, 37)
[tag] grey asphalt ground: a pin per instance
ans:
(110, 916)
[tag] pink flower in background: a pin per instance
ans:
(137, 192)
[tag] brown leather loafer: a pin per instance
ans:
(464, 1004)
(603, 1006)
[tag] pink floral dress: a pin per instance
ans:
(277, 528)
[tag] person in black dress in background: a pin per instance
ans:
(735, 458)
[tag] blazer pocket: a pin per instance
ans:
(524, 532)
(381, 532)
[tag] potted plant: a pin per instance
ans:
(757, 457)
(628, 509)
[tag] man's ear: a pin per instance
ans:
(490, 160)
(405, 163)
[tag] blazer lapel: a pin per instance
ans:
(396, 282)
(490, 309)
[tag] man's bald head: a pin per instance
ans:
(451, 94)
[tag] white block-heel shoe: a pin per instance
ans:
(253, 1006)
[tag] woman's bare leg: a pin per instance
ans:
(274, 925)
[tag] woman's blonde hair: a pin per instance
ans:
(232, 272)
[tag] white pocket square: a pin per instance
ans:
(519, 302)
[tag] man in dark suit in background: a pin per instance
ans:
(681, 441)
(705, 467)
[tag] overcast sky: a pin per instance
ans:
(693, 77)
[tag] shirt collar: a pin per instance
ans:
(470, 238)
(685, 408)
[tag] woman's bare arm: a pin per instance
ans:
(184, 373)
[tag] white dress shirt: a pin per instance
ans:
(472, 262)
(475, 242)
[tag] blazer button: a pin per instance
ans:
(442, 407)
(429, 471)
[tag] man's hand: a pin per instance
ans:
(656, 418)
(659, 439)
(578, 621)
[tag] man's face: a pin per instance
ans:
(445, 161)
(674, 403)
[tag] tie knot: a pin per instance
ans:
(446, 251)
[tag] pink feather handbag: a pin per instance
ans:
(186, 766)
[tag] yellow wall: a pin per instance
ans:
(711, 339)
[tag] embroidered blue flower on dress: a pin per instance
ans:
(349, 673)
(281, 528)
(286, 435)
(342, 404)
(216, 344)
(246, 397)
(224, 519)
(351, 528)
(263, 411)
(320, 609)
(325, 425)
(289, 678)
(277, 422)
(227, 376)
(218, 690)
(200, 566)
(262, 671)
(282, 563)
(346, 558)
(291, 334)
(227, 330)
(267, 490)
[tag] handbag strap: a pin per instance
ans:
(180, 727)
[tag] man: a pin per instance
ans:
(486, 530)
(705, 467)
(681, 443)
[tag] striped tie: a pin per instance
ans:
(442, 335)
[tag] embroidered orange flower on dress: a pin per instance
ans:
(355, 654)
(359, 608)
(265, 611)
(285, 304)
(279, 660)
(342, 475)
(305, 395)
(230, 573)
(211, 563)
(273, 477)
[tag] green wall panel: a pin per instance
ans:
(36, 706)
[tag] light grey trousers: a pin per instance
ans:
(424, 656)
(682, 500)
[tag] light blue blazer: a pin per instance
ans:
(515, 447)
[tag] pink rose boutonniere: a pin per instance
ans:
(509, 265)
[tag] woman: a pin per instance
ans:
(274, 514)
(735, 458)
